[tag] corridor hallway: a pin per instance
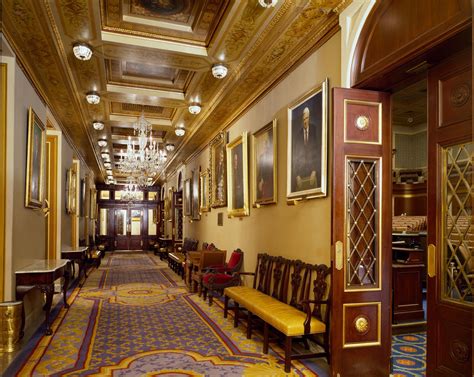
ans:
(135, 317)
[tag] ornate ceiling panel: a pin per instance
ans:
(155, 57)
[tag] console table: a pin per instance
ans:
(42, 274)
(79, 256)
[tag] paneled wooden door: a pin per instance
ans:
(361, 234)
(129, 224)
(450, 228)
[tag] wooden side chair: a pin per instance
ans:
(207, 259)
(216, 278)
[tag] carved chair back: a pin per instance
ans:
(293, 281)
(189, 244)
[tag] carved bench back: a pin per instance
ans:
(292, 281)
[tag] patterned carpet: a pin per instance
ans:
(134, 317)
(409, 355)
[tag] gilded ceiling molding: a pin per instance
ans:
(77, 18)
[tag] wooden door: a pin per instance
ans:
(136, 228)
(121, 229)
(450, 228)
(361, 234)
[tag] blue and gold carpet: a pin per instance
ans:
(134, 317)
(409, 355)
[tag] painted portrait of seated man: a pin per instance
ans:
(306, 130)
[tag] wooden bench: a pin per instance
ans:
(292, 297)
(176, 259)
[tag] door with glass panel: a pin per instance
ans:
(135, 236)
(361, 233)
(450, 229)
(121, 229)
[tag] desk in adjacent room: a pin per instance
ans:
(42, 274)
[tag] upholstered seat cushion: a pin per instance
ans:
(283, 317)
(216, 278)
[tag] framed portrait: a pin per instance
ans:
(34, 192)
(307, 144)
(196, 215)
(204, 191)
(71, 191)
(93, 204)
(187, 197)
(237, 177)
(217, 163)
(264, 165)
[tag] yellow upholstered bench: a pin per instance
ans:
(281, 298)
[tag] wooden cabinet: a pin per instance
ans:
(407, 292)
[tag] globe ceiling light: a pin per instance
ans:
(194, 108)
(180, 130)
(267, 3)
(170, 147)
(82, 51)
(93, 98)
(107, 165)
(109, 172)
(219, 71)
(105, 155)
(102, 143)
(98, 125)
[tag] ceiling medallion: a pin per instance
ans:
(179, 130)
(102, 143)
(170, 147)
(267, 3)
(82, 51)
(194, 108)
(98, 126)
(219, 71)
(93, 98)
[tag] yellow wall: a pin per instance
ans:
(302, 231)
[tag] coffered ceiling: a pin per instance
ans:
(156, 56)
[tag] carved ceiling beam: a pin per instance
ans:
(134, 40)
(142, 99)
(130, 119)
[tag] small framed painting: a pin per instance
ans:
(187, 197)
(307, 145)
(204, 191)
(218, 171)
(264, 165)
(34, 193)
(237, 177)
(71, 191)
(196, 215)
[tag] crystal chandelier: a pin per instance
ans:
(131, 192)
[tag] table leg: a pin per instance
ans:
(48, 290)
(20, 294)
(66, 285)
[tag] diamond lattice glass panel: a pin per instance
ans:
(362, 224)
(458, 235)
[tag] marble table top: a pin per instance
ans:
(42, 265)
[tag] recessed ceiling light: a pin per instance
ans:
(170, 147)
(82, 51)
(267, 3)
(102, 143)
(180, 130)
(219, 71)
(98, 125)
(93, 98)
(194, 108)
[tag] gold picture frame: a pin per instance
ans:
(204, 197)
(195, 193)
(71, 191)
(264, 165)
(237, 177)
(217, 163)
(187, 197)
(34, 191)
(308, 145)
